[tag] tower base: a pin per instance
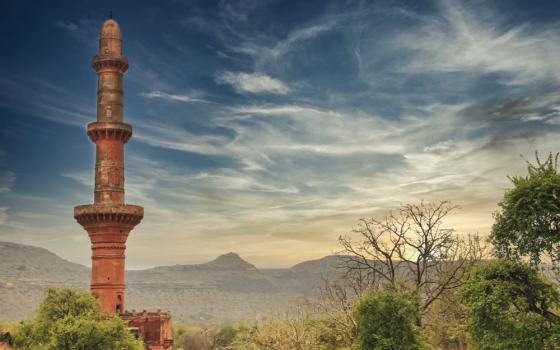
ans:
(153, 328)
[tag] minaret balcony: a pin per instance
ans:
(108, 214)
(108, 61)
(108, 130)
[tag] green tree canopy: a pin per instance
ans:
(69, 320)
(528, 222)
(386, 320)
(510, 308)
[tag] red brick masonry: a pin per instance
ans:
(153, 327)
(108, 221)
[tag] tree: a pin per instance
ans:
(335, 303)
(510, 307)
(528, 222)
(386, 320)
(411, 245)
(70, 320)
(444, 324)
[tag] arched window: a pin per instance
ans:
(118, 307)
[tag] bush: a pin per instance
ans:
(444, 325)
(386, 321)
(528, 222)
(69, 320)
(510, 307)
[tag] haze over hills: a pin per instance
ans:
(225, 289)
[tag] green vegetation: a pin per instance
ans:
(510, 308)
(386, 320)
(528, 223)
(445, 323)
(70, 320)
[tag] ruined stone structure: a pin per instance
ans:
(153, 327)
(109, 220)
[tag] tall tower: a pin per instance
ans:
(108, 221)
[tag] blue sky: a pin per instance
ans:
(269, 127)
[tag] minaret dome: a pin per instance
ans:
(110, 42)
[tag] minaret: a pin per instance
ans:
(109, 220)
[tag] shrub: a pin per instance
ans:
(510, 307)
(386, 320)
(69, 320)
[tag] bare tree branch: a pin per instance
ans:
(411, 245)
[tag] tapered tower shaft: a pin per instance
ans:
(109, 220)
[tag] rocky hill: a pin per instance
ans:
(225, 289)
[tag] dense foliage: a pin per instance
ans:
(69, 320)
(386, 321)
(444, 324)
(528, 222)
(510, 307)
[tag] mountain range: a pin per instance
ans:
(227, 289)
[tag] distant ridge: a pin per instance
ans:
(25, 271)
(230, 261)
(328, 263)
(226, 289)
(37, 263)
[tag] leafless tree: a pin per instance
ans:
(411, 245)
(336, 301)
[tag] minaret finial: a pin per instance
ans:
(110, 14)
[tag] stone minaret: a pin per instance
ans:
(109, 220)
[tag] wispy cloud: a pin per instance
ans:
(230, 27)
(241, 183)
(83, 178)
(303, 170)
(49, 101)
(173, 97)
(467, 38)
(265, 55)
(347, 110)
(179, 139)
(252, 82)
(67, 25)
(82, 30)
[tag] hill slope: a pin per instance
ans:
(25, 271)
(225, 289)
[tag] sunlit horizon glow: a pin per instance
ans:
(269, 128)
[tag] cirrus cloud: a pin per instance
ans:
(252, 82)
(172, 97)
